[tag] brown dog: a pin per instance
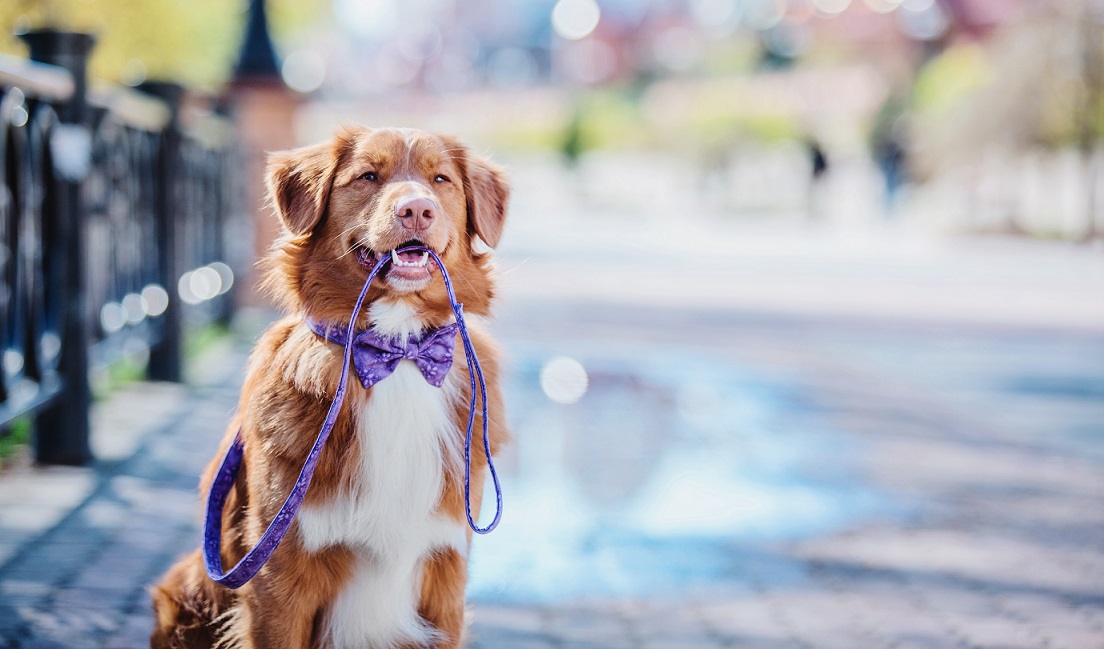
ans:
(377, 555)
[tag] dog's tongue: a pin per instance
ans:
(410, 255)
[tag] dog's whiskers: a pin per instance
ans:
(456, 273)
(501, 272)
(352, 227)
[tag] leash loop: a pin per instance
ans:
(230, 466)
(473, 363)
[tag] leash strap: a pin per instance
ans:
(230, 466)
(475, 370)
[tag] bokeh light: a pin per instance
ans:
(304, 71)
(564, 380)
(367, 18)
(764, 14)
(832, 7)
(156, 299)
(714, 13)
(225, 274)
(113, 317)
(134, 73)
(135, 307)
(922, 19)
(883, 6)
(575, 19)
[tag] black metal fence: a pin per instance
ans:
(115, 210)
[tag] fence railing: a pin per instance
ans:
(115, 208)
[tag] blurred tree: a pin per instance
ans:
(1036, 86)
(1032, 85)
(194, 42)
(1091, 110)
(572, 145)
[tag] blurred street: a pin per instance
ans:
(788, 435)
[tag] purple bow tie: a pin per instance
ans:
(375, 357)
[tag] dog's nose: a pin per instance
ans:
(415, 213)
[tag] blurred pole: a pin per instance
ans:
(62, 429)
(165, 362)
(264, 110)
(1092, 113)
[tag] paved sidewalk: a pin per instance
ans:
(80, 545)
(994, 535)
(983, 451)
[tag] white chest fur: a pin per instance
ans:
(408, 441)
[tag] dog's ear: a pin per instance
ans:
(299, 184)
(487, 193)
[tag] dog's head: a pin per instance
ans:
(348, 202)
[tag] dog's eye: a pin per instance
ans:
(371, 176)
(440, 178)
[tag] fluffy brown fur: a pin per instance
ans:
(331, 212)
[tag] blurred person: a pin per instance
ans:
(888, 148)
(818, 168)
(889, 152)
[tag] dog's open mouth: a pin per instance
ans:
(405, 263)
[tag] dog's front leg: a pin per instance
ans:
(442, 600)
(283, 603)
(273, 621)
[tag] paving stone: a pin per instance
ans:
(15, 591)
(821, 620)
(508, 618)
(92, 598)
(746, 618)
(892, 616)
(134, 633)
(1077, 639)
(586, 625)
(75, 628)
(485, 638)
(996, 632)
(696, 639)
(12, 624)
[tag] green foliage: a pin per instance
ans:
(196, 341)
(106, 380)
(714, 119)
(738, 54)
(194, 42)
(16, 436)
(619, 118)
(951, 78)
(610, 119)
(127, 369)
(604, 118)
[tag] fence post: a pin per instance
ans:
(61, 430)
(165, 362)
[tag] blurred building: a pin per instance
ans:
(264, 110)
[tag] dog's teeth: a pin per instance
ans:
(396, 261)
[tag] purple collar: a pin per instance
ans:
(375, 356)
(231, 463)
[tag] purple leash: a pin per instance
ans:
(231, 463)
